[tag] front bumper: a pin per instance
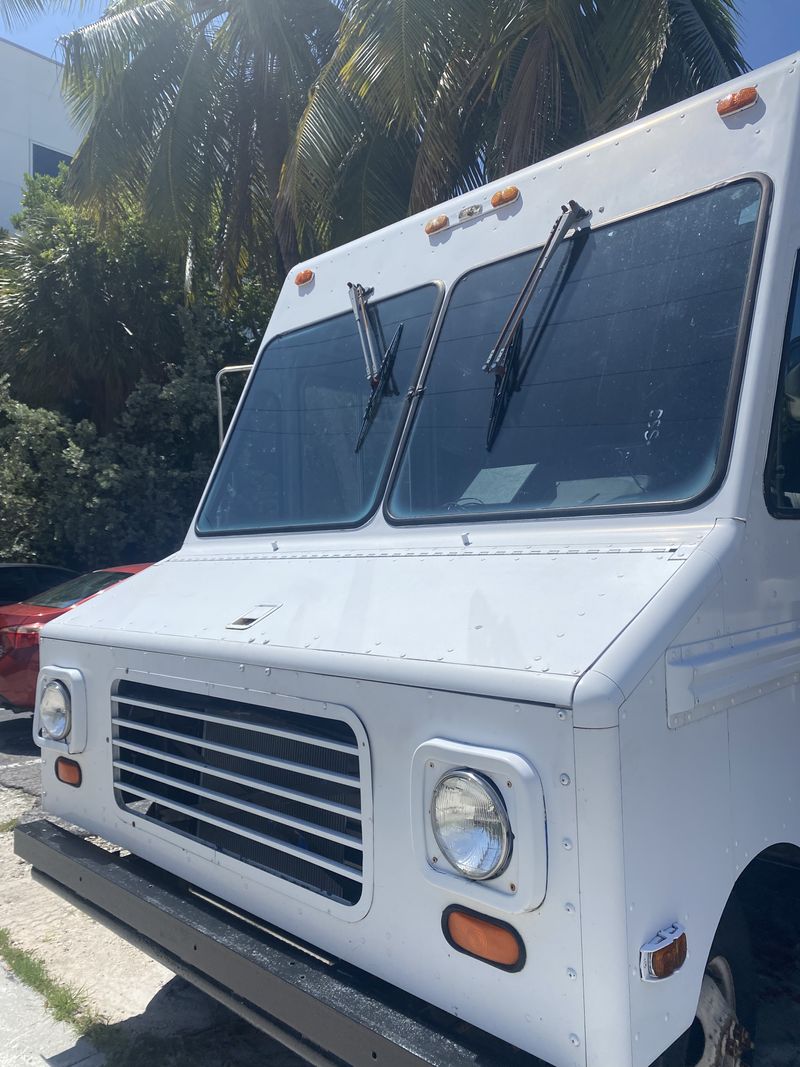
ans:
(326, 1011)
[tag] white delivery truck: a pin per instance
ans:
(475, 688)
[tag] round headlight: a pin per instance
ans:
(55, 711)
(470, 824)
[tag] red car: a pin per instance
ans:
(20, 625)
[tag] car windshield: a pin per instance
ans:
(69, 593)
(620, 380)
(296, 457)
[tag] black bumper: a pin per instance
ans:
(327, 1012)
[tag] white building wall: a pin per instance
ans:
(31, 111)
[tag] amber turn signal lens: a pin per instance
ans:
(737, 101)
(505, 196)
(666, 961)
(664, 954)
(486, 939)
(436, 224)
(303, 277)
(68, 771)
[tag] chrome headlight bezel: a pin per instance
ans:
(522, 886)
(484, 808)
(55, 711)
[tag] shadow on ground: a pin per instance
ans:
(181, 1027)
(16, 737)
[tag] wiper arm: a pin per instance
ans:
(505, 352)
(379, 386)
(358, 298)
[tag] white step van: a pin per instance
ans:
(475, 688)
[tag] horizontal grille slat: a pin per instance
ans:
(275, 788)
(294, 768)
(304, 739)
(226, 824)
(240, 779)
(264, 813)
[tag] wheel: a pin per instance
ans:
(723, 1031)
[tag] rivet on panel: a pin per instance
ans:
(565, 779)
(566, 844)
(574, 1040)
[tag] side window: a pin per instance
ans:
(782, 479)
(47, 160)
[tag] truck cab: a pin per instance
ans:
(473, 689)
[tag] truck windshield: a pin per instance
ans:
(292, 460)
(622, 378)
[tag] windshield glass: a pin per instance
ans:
(621, 377)
(292, 459)
(69, 593)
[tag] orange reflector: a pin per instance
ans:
(303, 277)
(436, 224)
(664, 955)
(486, 939)
(737, 101)
(68, 771)
(505, 196)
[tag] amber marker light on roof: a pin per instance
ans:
(68, 771)
(433, 226)
(303, 277)
(737, 101)
(505, 196)
(486, 939)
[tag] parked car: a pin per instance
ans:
(20, 624)
(18, 581)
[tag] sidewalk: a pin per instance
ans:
(29, 1036)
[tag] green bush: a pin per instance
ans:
(105, 452)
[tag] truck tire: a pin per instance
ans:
(723, 1032)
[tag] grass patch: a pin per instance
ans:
(65, 1003)
(121, 1048)
(9, 825)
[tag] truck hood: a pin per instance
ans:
(522, 623)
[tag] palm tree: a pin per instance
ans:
(12, 11)
(421, 100)
(190, 107)
(201, 110)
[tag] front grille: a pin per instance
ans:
(276, 789)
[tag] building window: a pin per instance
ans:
(46, 160)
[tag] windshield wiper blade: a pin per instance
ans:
(504, 384)
(358, 298)
(379, 386)
(505, 352)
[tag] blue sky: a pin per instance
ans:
(770, 29)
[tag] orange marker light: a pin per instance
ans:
(303, 277)
(486, 939)
(737, 101)
(505, 196)
(434, 225)
(665, 954)
(68, 771)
